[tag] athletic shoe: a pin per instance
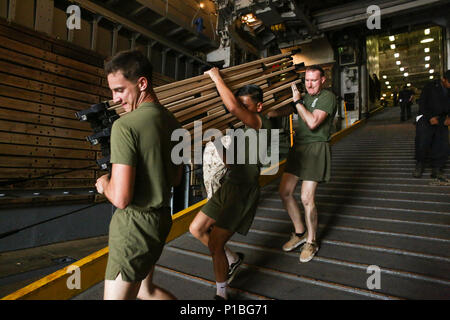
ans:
(232, 269)
(418, 171)
(295, 241)
(308, 251)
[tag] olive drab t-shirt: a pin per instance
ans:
(325, 101)
(142, 139)
(248, 170)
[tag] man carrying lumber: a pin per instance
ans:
(309, 159)
(232, 207)
(140, 182)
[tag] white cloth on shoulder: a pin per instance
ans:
(213, 167)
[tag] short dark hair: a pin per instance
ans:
(316, 68)
(447, 75)
(132, 63)
(252, 90)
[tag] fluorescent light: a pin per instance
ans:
(431, 77)
(402, 69)
(427, 31)
(427, 58)
(387, 82)
(389, 87)
(405, 74)
(384, 94)
(392, 46)
(398, 63)
(408, 84)
(426, 50)
(384, 77)
(431, 71)
(427, 40)
(427, 66)
(392, 38)
(396, 55)
(392, 94)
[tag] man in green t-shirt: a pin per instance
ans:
(309, 159)
(140, 182)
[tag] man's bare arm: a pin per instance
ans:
(120, 187)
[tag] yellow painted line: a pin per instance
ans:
(92, 268)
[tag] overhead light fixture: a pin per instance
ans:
(427, 58)
(431, 77)
(398, 63)
(427, 40)
(384, 94)
(427, 66)
(426, 50)
(387, 82)
(405, 74)
(396, 55)
(392, 38)
(408, 84)
(427, 31)
(431, 71)
(402, 69)
(392, 46)
(389, 87)
(248, 18)
(384, 77)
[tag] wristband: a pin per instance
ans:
(299, 101)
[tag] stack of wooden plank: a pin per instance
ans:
(196, 99)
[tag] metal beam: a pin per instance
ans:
(164, 60)
(93, 7)
(12, 10)
(115, 39)
(43, 20)
(356, 13)
(94, 32)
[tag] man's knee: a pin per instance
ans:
(195, 229)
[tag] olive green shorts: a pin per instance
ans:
(233, 206)
(136, 241)
(310, 162)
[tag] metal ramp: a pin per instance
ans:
(372, 213)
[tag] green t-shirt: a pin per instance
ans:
(325, 101)
(142, 139)
(248, 171)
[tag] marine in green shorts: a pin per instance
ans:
(309, 160)
(232, 207)
(140, 182)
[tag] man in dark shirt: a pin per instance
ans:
(433, 120)
(405, 99)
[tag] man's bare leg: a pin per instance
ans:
(308, 199)
(286, 191)
(200, 229)
(121, 290)
(150, 291)
(216, 246)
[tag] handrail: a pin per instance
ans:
(92, 268)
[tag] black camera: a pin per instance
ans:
(101, 117)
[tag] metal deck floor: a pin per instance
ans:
(371, 213)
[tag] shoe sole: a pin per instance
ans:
(310, 257)
(294, 247)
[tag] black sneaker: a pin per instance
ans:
(418, 171)
(438, 173)
(232, 269)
